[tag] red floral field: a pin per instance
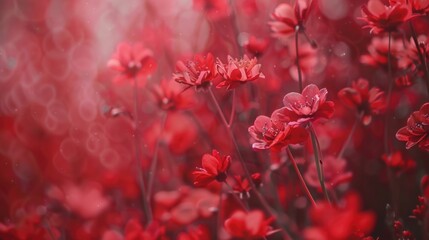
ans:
(214, 119)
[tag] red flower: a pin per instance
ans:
(339, 223)
(170, 96)
(417, 6)
(378, 52)
(198, 72)
(309, 106)
(256, 46)
(272, 133)
(382, 18)
(214, 9)
(398, 161)
(237, 72)
(288, 20)
(360, 97)
(131, 61)
(334, 172)
(247, 225)
(417, 129)
(214, 167)
(242, 186)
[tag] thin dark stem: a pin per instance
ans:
(137, 144)
(349, 137)
(219, 213)
(319, 162)
(49, 229)
(155, 158)
(258, 195)
(389, 96)
(301, 179)
(231, 117)
(298, 67)
(238, 199)
(420, 54)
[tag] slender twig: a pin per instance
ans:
(301, 179)
(349, 137)
(420, 54)
(155, 158)
(319, 162)
(298, 67)
(146, 209)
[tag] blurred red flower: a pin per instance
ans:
(417, 6)
(288, 19)
(378, 52)
(335, 172)
(272, 133)
(417, 129)
(382, 18)
(256, 46)
(248, 225)
(214, 9)
(214, 167)
(132, 61)
(302, 108)
(365, 100)
(135, 231)
(237, 72)
(339, 222)
(169, 96)
(198, 72)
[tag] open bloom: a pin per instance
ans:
(288, 19)
(382, 18)
(363, 99)
(198, 72)
(248, 225)
(214, 167)
(131, 61)
(309, 106)
(237, 72)
(417, 129)
(273, 133)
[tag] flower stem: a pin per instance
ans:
(154, 162)
(389, 96)
(301, 179)
(231, 117)
(319, 163)
(282, 221)
(349, 137)
(146, 209)
(420, 54)
(298, 67)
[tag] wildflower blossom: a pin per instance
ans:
(365, 100)
(382, 18)
(131, 61)
(214, 167)
(237, 72)
(306, 107)
(417, 129)
(287, 19)
(197, 73)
